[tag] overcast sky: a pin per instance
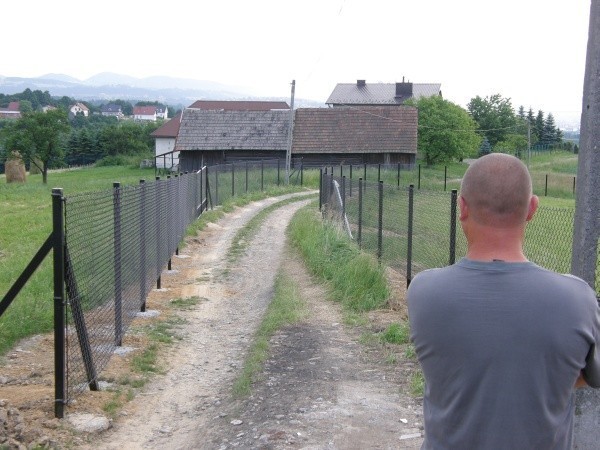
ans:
(532, 51)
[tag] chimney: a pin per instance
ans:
(404, 89)
(361, 83)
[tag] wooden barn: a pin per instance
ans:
(208, 136)
(355, 135)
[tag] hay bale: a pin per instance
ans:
(15, 169)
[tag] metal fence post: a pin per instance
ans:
(301, 173)
(233, 179)
(378, 172)
(445, 177)
(320, 189)
(216, 185)
(453, 201)
(158, 221)
(380, 223)
(360, 211)
(117, 262)
(398, 177)
(60, 365)
(409, 244)
(365, 173)
(419, 178)
(546, 188)
(143, 245)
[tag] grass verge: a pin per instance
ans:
(355, 278)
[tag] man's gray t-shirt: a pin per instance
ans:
(501, 346)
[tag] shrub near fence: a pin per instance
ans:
(412, 230)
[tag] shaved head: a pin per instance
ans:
(497, 190)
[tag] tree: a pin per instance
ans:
(446, 131)
(485, 148)
(552, 135)
(127, 138)
(494, 116)
(537, 127)
(36, 136)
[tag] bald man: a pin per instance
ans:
(502, 342)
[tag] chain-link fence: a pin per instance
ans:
(412, 230)
(119, 241)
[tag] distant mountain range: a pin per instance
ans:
(111, 86)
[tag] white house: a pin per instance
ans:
(164, 139)
(144, 113)
(78, 109)
(161, 113)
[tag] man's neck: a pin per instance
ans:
(503, 244)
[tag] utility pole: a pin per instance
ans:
(587, 207)
(288, 153)
(587, 211)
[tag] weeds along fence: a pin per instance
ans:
(110, 249)
(412, 230)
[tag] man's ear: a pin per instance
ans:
(463, 208)
(534, 201)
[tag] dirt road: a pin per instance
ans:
(321, 388)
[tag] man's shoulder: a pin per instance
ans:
(427, 276)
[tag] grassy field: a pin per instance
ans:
(552, 174)
(25, 223)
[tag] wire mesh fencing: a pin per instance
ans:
(238, 178)
(117, 244)
(412, 230)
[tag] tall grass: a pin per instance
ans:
(355, 278)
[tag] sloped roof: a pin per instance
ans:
(378, 93)
(169, 129)
(111, 107)
(365, 129)
(81, 106)
(12, 107)
(144, 110)
(237, 105)
(233, 130)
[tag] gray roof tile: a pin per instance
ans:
(233, 130)
(378, 93)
